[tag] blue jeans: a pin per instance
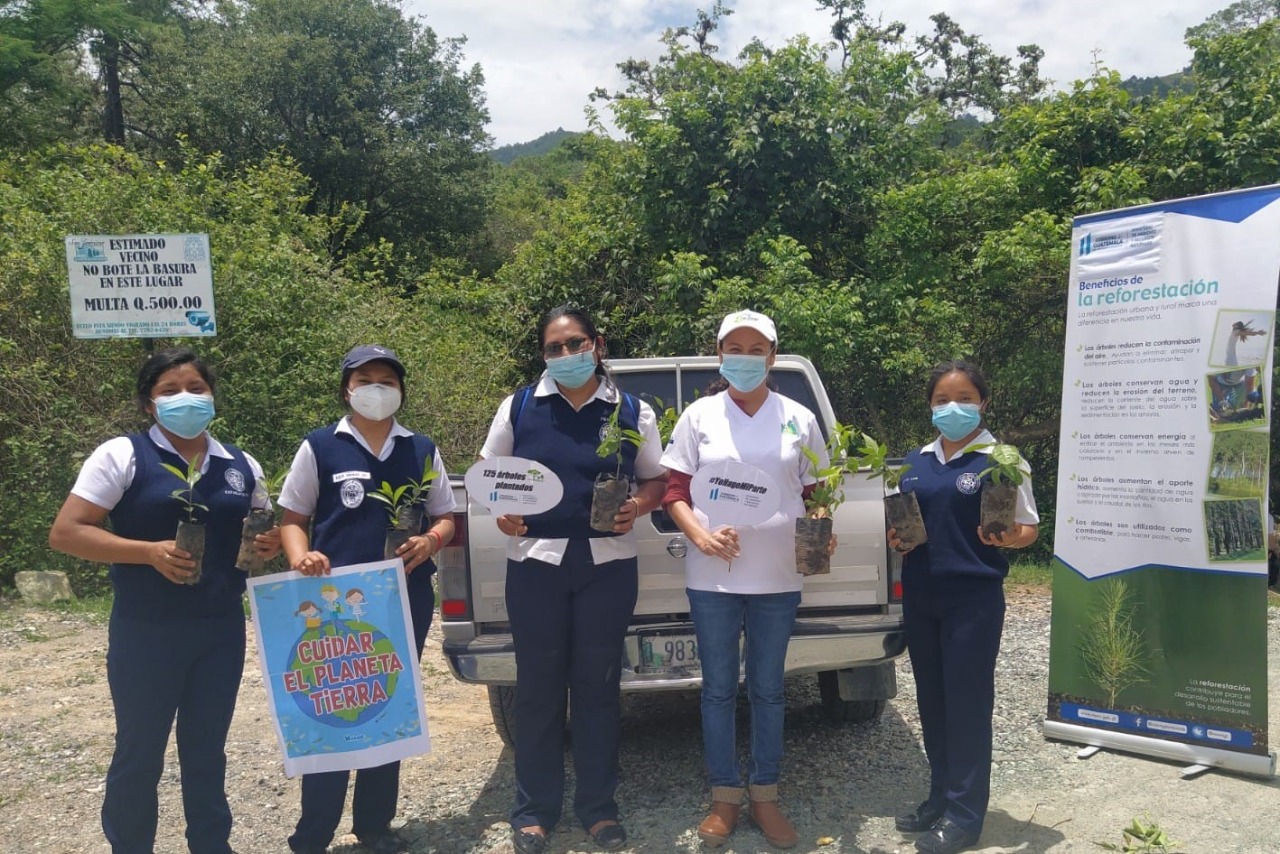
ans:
(719, 620)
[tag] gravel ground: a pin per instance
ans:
(841, 785)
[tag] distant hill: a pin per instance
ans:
(1157, 87)
(541, 145)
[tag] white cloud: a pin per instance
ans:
(541, 58)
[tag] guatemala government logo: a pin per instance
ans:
(967, 483)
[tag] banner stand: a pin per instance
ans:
(1197, 755)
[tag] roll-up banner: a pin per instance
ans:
(1158, 641)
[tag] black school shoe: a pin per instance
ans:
(387, 842)
(946, 837)
(610, 837)
(924, 817)
(528, 843)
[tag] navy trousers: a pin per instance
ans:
(377, 789)
(158, 671)
(953, 626)
(568, 623)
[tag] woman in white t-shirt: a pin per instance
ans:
(743, 578)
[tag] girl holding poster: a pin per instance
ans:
(571, 589)
(953, 608)
(176, 643)
(327, 492)
(744, 577)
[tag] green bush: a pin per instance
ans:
(286, 314)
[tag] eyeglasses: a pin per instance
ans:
(572, 346)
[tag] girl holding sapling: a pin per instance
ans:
(571, 588)
(333, 516)
(953, 603)
(744, 578)
(177, 644)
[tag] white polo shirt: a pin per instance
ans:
(715, 429)
(110, 469)
(501, 443)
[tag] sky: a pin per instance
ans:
(541, 58)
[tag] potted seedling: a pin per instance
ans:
(813, 530)
(1000, 481)
(406, 507)
(190, 535)
(259, 521)
(611, 490)
(902, 509)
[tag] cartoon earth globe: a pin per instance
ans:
(354, 663)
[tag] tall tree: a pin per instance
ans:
(374, 108)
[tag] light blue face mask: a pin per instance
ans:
(184, 414)
(573, 371)
(956, 420)
(744, 373)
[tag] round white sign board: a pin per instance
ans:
(513, 485)
(733, 493)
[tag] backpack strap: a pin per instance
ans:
(518, 401)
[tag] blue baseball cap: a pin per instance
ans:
(365, 353)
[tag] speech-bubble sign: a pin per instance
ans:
(513, 485)
(733, 493)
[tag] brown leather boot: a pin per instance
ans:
(777, 831)
(726, 803)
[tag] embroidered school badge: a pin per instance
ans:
(235, 480)
(352, 493)
(968, 483)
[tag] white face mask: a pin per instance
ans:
(376, 401)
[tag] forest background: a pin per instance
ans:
(892, 199)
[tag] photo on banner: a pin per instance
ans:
(1158, 641)
(340, 667)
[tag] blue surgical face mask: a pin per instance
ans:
(956, 420)
(744, 373)
(573, 371)
(184, 414)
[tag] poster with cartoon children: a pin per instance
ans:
(338, 662)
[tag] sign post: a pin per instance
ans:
(140, 286)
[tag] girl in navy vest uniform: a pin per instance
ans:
(953, 607)
(326, 492)
(570, 590)
(176, 648)
(748, 423)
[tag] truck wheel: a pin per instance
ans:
(843, 711)
(502, 705)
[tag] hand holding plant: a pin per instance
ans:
(611, 491)
(190, 534)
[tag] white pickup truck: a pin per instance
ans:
(849, 627)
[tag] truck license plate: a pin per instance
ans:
(663, 651)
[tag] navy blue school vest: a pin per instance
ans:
(148, 511)
(549, 430)
(950, 501)
(348, 525)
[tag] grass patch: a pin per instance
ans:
(95, 609)
(1026, 574)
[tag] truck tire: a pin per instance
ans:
(502, 705)
(844, 711)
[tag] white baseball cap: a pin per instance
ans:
(750, 320)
